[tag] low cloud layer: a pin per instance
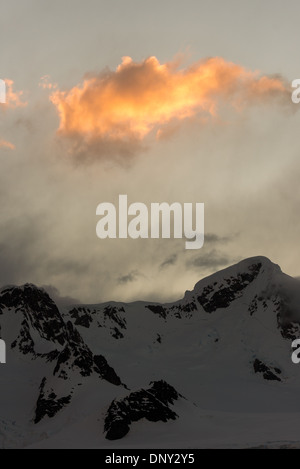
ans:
(59, 300)
(213, 238)
(130, 277)
(169, 261)
(115, 111)
(211, 260)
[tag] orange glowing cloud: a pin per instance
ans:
(7, 145)
(14, 99)
(46, 84)
(126, 105)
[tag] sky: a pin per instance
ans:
(165, 101)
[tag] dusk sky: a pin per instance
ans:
(165, 101)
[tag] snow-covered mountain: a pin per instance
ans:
(213, 369)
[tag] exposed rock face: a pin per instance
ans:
(38, 309)
(109, 316)
(48, 403)
(106, 371)
(288, 324)
(152, 404)
(82, 316)
(71, 358)
(233, 287)
(75, 354)
(24, 340)
(269, 373)
(158, 309)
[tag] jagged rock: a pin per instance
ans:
(48, 403)
(152, 404)
(110, 316)
(113, 313)
(39, 310)
(116, 333)
(82, 317)
(158, 309)
(212, 300)
(253, 306)
(75, 355)
(106, 372)
(24, 340)
(288, 325)
(268, 374)
(178, 310)
(70, 354)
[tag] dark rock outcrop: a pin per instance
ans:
(269, 373)
(38, 309)
(211, 300)
(48, 403)
(151, 404)
(106, 372)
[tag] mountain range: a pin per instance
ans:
(212, 369)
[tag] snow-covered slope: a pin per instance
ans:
(211, 370)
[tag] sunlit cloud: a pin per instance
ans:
(121, 108)
(46, 84)
(14, 99)
(7, 145)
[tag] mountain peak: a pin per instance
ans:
(252, 265)
(220, 289)
(264, 261)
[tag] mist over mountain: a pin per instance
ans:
(213, 369)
